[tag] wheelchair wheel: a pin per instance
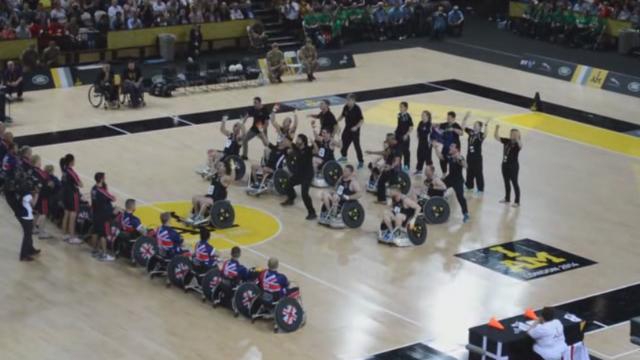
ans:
(210, 282)
(331, 172)
(403, 179)
(240, 167)
(152, 263)
(222, 214)
(436, 210)
(143, 249)
(179, 270)
(417, 230)
(281, 181)
(290, 162)
(244, 297)
(95, 97)
(288, 315)
(352, 214)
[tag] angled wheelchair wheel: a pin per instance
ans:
(152, 264)
(144, 249)
(331, 172)
(95, 97)
(244, 297)
(417, 230)
(210, 282)
(290, 162)
(436, 210)
(240, 167)
(123, 97)
(179, 271)
(352, 214)
(289, 315)
(222, 214)
(281, 181)
(403, 179)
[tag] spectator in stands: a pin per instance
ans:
(12, 79)
(257, 37)
(439, 23)
(35, 28)
(397, 22)
(22, 31)
(118, 22)
(30, 58)
(224, 12)
(134, 22)
(195, 41)
(455, 21)
(290, 15)
(379, 19)
(276, 63)
(58, 13)
(309, 58)
(7, 33)
(235, 13)
(55, 29)
(114, 9)
(50, 54)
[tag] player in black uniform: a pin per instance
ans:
(347, 188)
(232, 145)
(217, 191)
(103, 213)
(448, 133)
(424, 142)
(274, 157)
(474, 154)
(352, 115)
(323, 147)
(327, 119)
(288, 127)
(510, 164)
(386, 166)
(260, 116)
(454, 178)
(403, 208)
(302, 174)
(403, 131)
(434, 185)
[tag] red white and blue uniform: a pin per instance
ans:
(233, 270)
(9, 164)
(273, 282)
(169, 240)
(130, 223)
(204, 255)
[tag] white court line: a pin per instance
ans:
(178, 118)
(608, 327)
(625, 353)
(497, 119)
(109, 126)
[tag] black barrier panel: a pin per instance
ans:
(620, 83)
(335, 61)
(525, 259)
(548, 67)
(39, 79)
(412, 352)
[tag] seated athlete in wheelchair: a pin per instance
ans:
(105, 85)
(340, 207)
(206, 208)
(221, 285)
(271, 298)
(182, 270)
(169, 244)
(432, 198)
(326, 168)
(262, 174)
(387, 169)
(231, 150)
(129, 229)
(402, 224)
(288, 128)
(132, 84)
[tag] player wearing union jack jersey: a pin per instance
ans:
(232, 269)
(273, 282)
(169, 241)
(204, 254)
(130, 228)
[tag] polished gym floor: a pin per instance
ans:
(580, 194)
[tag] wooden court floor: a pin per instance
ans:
(361, 298)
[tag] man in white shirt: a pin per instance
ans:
(27, 251)
(548, 334)
(114, 9)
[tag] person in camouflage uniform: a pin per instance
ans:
(309, 59)
(276, 63)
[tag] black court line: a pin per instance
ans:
(96, 132)
(417, 351)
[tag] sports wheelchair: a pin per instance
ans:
(240, 167)
(254, 303)
(181, 273)
(328, 175)
(343, 213)
(158, 264)
(143, 249)
(399, 177)
(413, 232)
(435, 209)
(220, 290)
(278, 180)
(221, 215)
(97, 97)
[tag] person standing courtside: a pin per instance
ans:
(475, 176)
(260, 116)
(302, 175)
(424, 142)
(352, 115)
(454, 179)
(510, 165)
(309, 58)
(403, 134)
(448, 133)
(26, 220)
(327, 119)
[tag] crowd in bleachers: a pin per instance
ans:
(84, 23)
(577, 23)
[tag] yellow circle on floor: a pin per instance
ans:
(253, 225)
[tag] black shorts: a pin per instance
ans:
(71, 200)
(102, 228)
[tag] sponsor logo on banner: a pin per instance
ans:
(525, 259)
(565, 71)
(623, 84)
(548, 67)
(324, 61)
(39, 80)
(597, 77)
(634, 86)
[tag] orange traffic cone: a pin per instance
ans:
(496, 324)
(530, 314)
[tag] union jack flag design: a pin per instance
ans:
(290, 314)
